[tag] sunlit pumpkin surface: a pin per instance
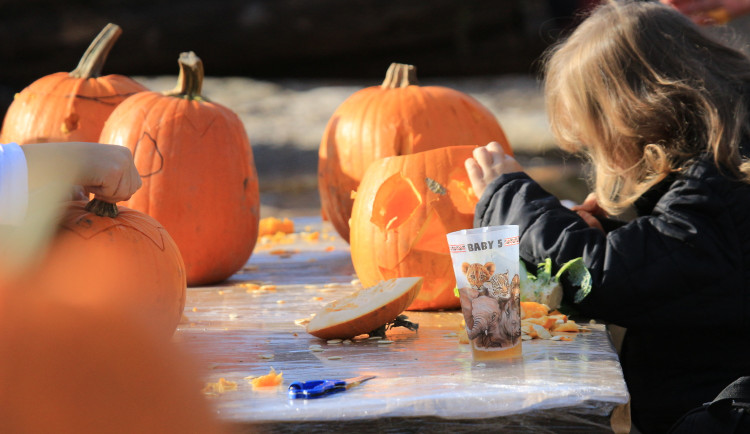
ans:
(198, 173)
(128, 262)
(396, 118)
(404, 207)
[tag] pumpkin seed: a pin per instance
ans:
(434, 186)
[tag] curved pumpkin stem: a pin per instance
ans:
(93, 59)
(102, 208)
(400, 75)
(190, 80)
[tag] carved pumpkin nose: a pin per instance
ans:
(395, 202)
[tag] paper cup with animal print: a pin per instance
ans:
(485, 261)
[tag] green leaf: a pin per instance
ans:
(544, 271)
(576, 274)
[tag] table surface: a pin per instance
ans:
(237, 332)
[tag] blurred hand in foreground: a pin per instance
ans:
(107, 171)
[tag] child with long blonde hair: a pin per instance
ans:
(661, 111)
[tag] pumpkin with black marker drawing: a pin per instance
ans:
(198, 173)
(110, 258)
(70, 107)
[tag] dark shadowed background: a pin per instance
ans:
(285, 65)
(281, 38)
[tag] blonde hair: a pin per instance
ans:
(643, 92)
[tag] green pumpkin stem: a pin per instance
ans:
(400, 75)
(102, 208)
(190, 80)
(93, 59)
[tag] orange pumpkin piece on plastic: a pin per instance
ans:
(272, 225)
(532, 309)
(569, 326)
(271, 379)
(544, 321)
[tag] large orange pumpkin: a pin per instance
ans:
(198, 172)
(403, 209)
(74, 370)
(396, 118)
(107, 257)
(69, 107)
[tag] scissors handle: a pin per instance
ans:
(316, 388)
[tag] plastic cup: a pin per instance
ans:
(485, 262)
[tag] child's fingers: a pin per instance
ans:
(482, 157)
(476, 175)
(590, 220)
(497, 152)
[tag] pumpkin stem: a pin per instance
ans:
(190, 80)
(93, 59)
(102, 208)
(400, 75)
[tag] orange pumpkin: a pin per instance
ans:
(107, 257)
(69, 107)
(198, 173)
(74, 370)
(403, 209)
(397, 118)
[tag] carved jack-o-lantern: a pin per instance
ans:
(403, 209)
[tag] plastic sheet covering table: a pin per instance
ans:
(425, 381)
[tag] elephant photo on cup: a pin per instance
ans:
(493, 322)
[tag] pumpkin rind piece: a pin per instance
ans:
(365, 310)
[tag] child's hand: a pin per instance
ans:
(588, 210)
(708, 12)
(489, 162)
(107, 171)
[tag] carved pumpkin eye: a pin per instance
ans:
(395, 202)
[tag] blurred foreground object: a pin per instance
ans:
(65, 369)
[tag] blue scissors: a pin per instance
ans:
(320, 388)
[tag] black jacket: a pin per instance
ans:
(678, 279)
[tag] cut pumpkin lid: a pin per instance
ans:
(365, 310)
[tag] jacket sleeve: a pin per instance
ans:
(14, 185)
(642, 273)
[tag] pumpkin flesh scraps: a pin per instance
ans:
(395, 202)
(272, 379)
